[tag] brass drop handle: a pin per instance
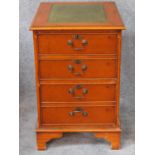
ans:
(72, 91)
(71, 69)
(83, 42)
(78, 48)
(78, 97)
(77, 74)
(78, 110)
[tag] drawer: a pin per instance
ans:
(75, 44)
(88, 68)
(77, 92)
(78, 115)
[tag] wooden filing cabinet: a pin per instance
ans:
(77, 48)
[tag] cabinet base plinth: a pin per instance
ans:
(44, 137)
(112, 135)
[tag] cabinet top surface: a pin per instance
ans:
(88, 15)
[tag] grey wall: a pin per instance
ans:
(27, 79)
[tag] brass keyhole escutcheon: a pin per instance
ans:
(77, 61)
(77, 36)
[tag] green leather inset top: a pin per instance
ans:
(77, 13)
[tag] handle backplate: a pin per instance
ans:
(84, 42)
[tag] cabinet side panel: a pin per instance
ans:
(119, 36)
(35, 40)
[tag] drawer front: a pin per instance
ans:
(78, 115)
(77, 92)
(100, 68)
(75, 44)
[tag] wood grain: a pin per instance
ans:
(88, 68)
(61, 115)
(97, 44)
(60, 92)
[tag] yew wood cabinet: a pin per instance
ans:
(77, 48)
